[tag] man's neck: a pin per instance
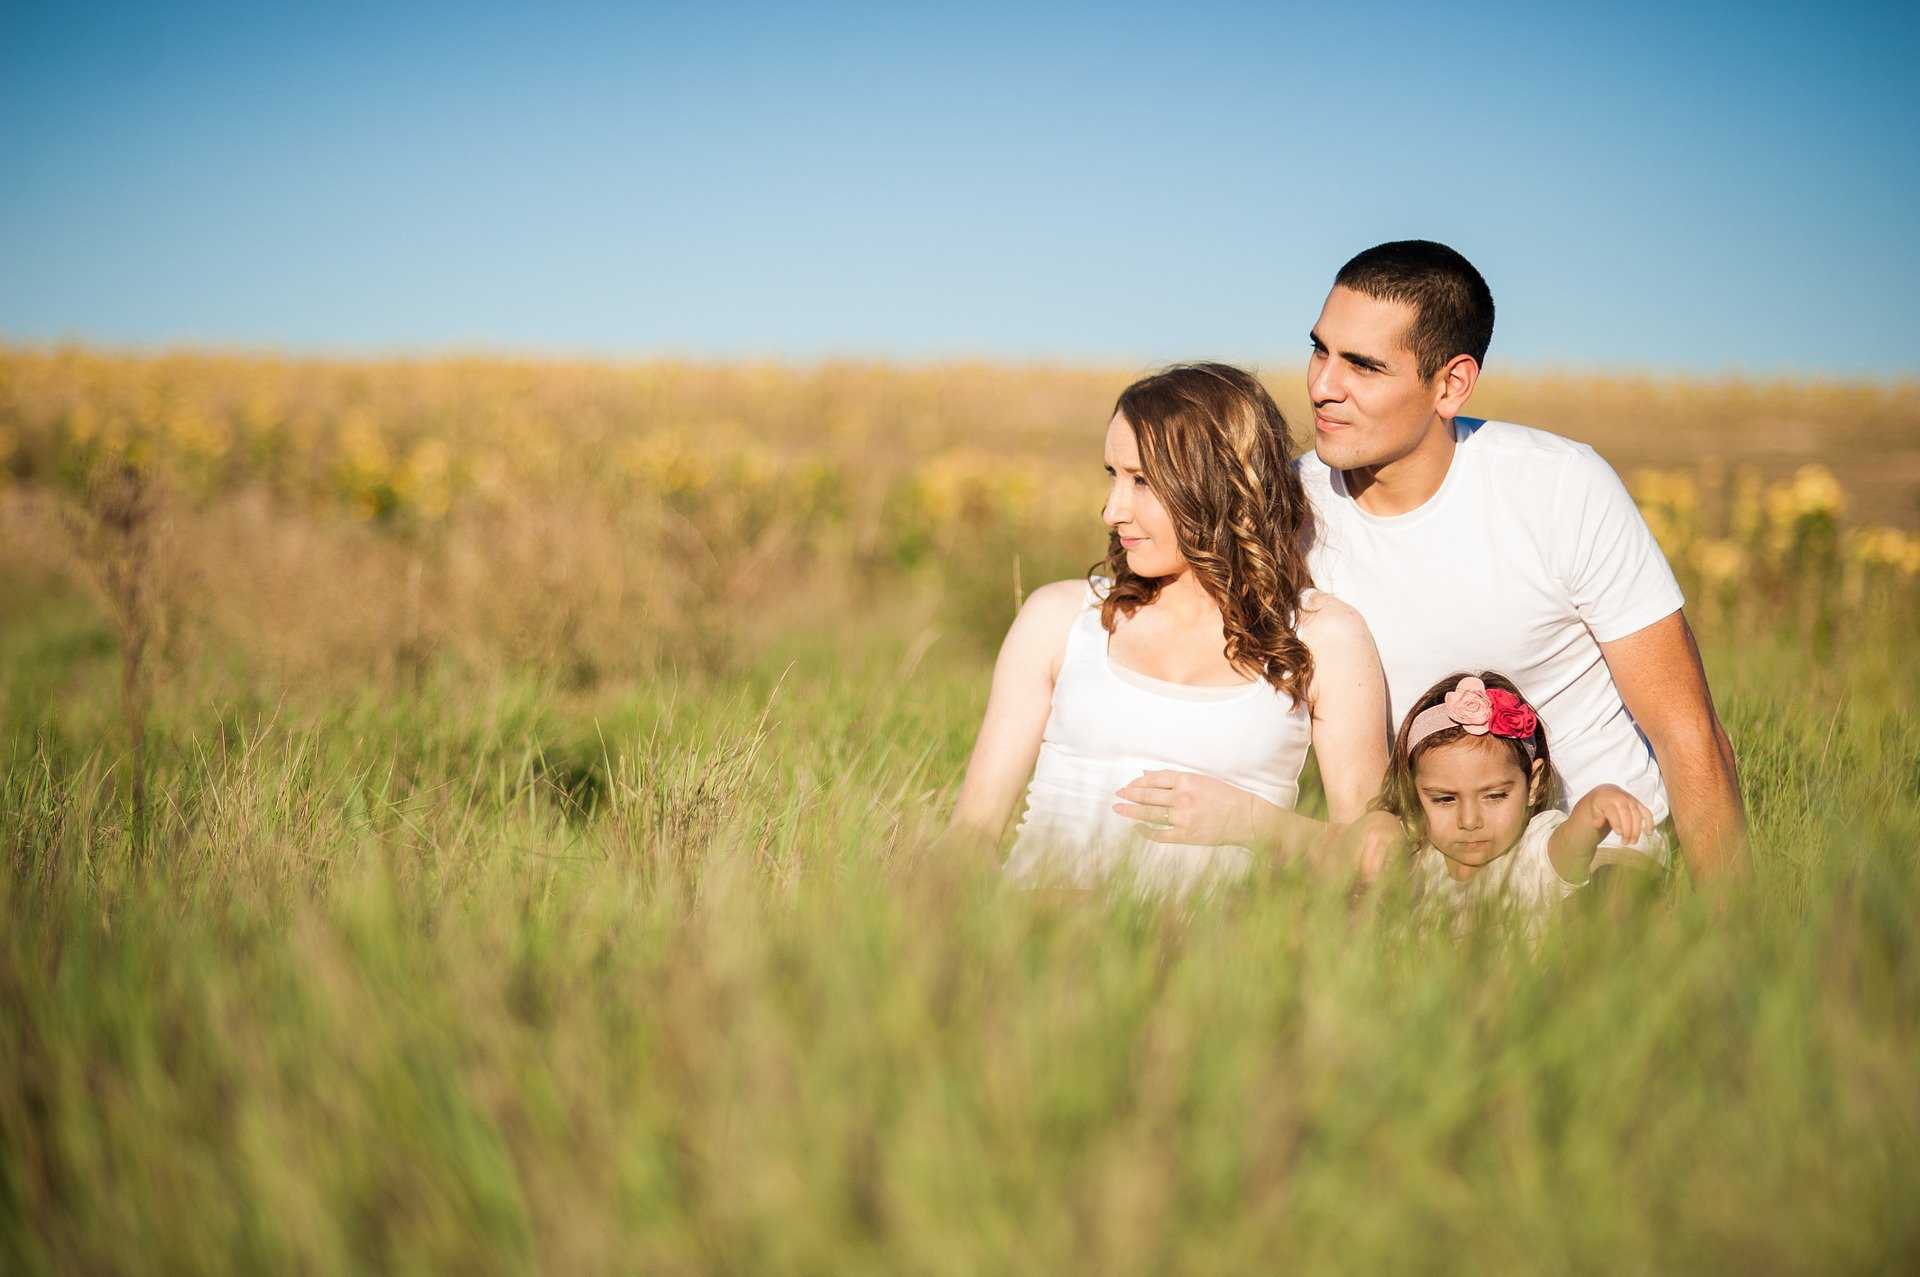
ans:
(1407, 482)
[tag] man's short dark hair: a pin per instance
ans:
(1452, 306)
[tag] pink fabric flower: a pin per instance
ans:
(1469, 705)
(1511, 716)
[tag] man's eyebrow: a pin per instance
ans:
(1367, 362)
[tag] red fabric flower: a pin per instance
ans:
(1511, 716)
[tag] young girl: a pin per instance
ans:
(1472, 785)
(1156, 715)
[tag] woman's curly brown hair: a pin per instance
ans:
(1214, 449)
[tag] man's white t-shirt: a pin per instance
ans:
(1530, 556)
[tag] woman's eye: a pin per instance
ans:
(1139, 481)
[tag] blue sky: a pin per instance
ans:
(1714, 188)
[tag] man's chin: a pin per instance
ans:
(1337, 454)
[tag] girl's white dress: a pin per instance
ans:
(1523, 882)
(1109, 724)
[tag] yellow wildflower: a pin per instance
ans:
(1720, 562)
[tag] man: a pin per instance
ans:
(1471, 545)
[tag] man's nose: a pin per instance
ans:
(1324, 383)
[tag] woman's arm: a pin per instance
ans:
(1607, 808)
(1017, 708)
(1349, 702)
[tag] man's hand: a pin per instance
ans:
(1191, 809)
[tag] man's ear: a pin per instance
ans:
(1456, 381)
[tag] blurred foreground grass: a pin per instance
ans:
(542, 879)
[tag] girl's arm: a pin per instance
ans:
(1017, 708)
(1606, 809)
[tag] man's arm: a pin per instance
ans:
(1661, 679)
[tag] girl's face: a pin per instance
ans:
(1475, 799)
(1134, 512)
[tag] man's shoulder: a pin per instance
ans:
(1508, 439)
(1552, 468)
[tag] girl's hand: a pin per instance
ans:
(1191, 809)
(1611, 808)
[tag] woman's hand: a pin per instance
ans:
(1191, 809)
(1370, 844)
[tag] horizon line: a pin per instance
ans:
(458, 352)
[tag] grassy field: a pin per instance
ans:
(478, 816)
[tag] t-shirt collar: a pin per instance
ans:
(1463, 428)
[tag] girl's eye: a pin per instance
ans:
(1494, 798)
(1444, 800)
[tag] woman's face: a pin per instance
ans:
(1134, 512)
(1474, 797)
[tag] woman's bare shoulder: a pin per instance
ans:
(1048, 613)
(1054, 605)
(1348, 682)
(1067, 596)
(1331, 617)
(1330, 623)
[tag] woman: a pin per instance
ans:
(1158, 714)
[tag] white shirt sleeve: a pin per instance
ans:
(1613, 569)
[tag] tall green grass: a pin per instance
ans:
(536, 860)
(479, 972)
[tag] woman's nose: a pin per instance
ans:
(1116, 509)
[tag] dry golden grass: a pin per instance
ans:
(369, 519)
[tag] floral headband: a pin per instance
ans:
(1478, 710)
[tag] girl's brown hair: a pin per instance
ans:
(1214, 449)
(1400, 796)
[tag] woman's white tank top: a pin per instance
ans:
(1107, 725)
